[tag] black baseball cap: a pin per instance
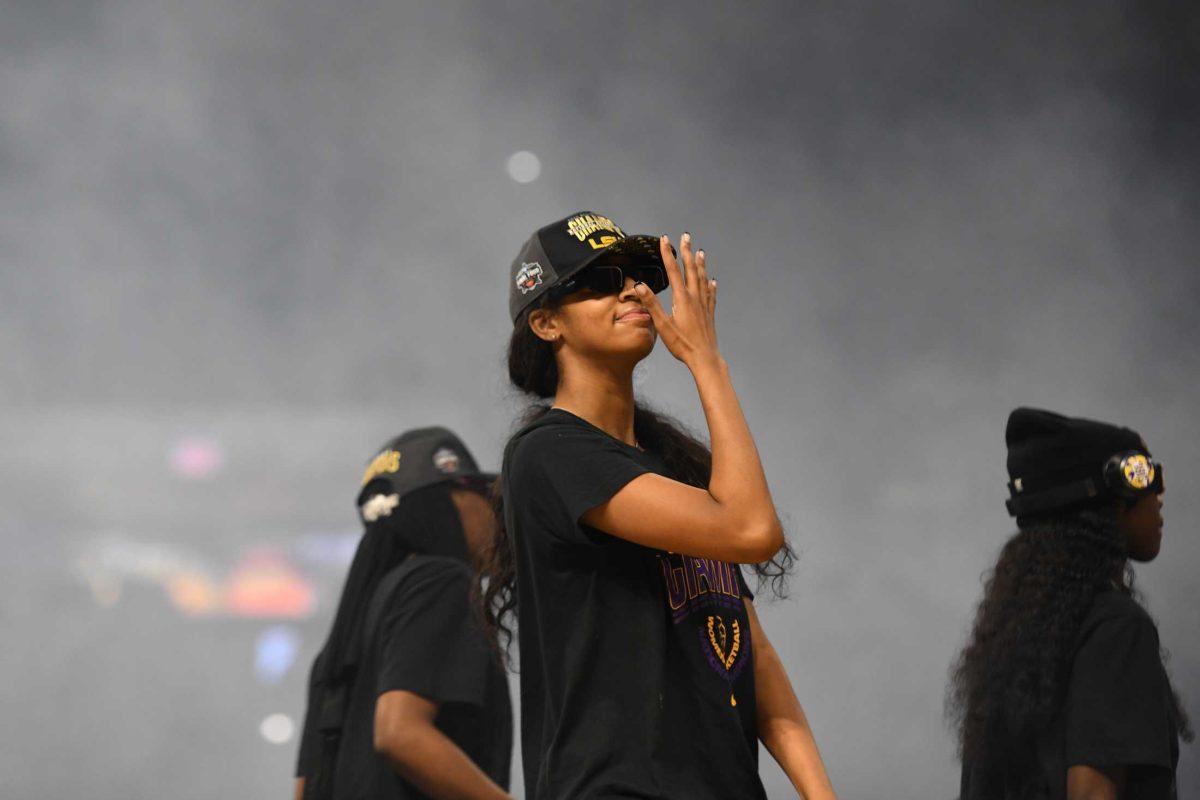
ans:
(1060, 463)
(561, 249)
(415, 459)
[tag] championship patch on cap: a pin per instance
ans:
(445, 460)
(596, 229)
(529, 277)
(1138, 471)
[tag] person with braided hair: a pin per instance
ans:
(1061, 692)
(644, 670)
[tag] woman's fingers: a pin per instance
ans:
(651, 304)
(702, 286)
(674, 278)
(712, 297)
(689, 263)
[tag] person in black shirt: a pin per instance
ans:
(644, 670)
(1061, 691)
(407, 699)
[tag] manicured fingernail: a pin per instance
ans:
(639, 287)
(687, 237)
(664, 237)
(700, 252)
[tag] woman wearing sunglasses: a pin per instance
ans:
(644, 670)
(1061, 691)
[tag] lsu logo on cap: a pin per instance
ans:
(590, 228)
(445, 460)
(529, 277)
(385, 463)
(1138, 471)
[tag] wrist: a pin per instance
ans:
(709, 363)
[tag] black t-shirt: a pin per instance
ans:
(637, 669)
(424, 639)
(1118, 711)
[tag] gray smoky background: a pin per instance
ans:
(244, 243)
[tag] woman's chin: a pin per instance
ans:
(646, 346)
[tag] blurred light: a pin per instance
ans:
(524, 167)
(108, 563)
(275, 652)
(277, 728)
(193, 593)
(266, 585)
(195, 458)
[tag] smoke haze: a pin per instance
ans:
(242, 244)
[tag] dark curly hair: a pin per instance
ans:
(1010, 680)
(532, 369)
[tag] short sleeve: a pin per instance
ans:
(1117, 709)
(579, 467)
(309, 739)
(430, 643)
(743, 585)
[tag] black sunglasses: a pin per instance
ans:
(608, 279)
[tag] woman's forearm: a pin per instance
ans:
(430, 761)
(782, 725)
(792, 745)
(738, 480)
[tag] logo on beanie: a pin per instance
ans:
(445, 460)
(529, 277)
(1138, 471)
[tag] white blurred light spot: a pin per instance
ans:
(196, 458)
(277, 728)
(524, 167)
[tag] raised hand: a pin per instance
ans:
(689, 331)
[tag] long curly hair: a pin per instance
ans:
(1009, 682)
(532, 369)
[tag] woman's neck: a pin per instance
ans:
(602, 397)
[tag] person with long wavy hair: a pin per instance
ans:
(407, 700)
(1061, 691)
(644, 670)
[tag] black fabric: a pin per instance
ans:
(1049, 451)
(637, 672)
(1118, 711)
(423, 637)
(309, 738)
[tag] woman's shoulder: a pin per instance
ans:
(1115, 604)
(554, 431)
(1115, 613)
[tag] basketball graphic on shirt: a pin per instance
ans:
(725, 640)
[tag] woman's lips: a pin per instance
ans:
(634, 316)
